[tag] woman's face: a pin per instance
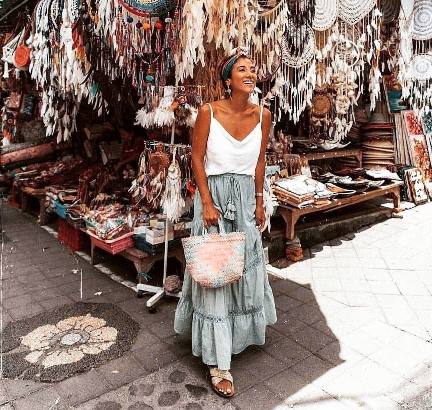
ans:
(243, 76)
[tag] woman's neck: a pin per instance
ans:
(239, 102)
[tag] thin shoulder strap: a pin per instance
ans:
(261, 113)
(211, 109)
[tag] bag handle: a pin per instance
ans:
(220, 226)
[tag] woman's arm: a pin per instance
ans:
(199, 147)
(260, 169)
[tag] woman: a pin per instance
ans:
(228, 160)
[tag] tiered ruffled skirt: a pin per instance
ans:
(224, 321)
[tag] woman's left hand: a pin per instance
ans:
(260, 217)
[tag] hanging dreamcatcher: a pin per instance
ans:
(140, 35)
(295, 79)
(347, 40)
(415, 64)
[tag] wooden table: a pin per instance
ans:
(143, 261)
(335, 153)
(291, 214)
(40, 195)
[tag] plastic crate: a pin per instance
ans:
(113, 246)
(60, 209)
(69, 236)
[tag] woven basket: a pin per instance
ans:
(321, 105)
(216, 259)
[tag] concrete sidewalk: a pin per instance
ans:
(354, 329)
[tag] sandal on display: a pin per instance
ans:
(217, 376)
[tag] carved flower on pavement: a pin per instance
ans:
(68, 341)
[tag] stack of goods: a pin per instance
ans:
(300, 191)
(150, 236)
(58, 197)
(108, 222)
(378, 147)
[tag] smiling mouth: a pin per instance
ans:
(248, 82)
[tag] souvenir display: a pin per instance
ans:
(99, 98)
(344, 49)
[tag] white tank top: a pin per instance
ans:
(227, 155)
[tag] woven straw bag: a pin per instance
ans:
(215, 259)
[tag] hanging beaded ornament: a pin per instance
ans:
(148, 7)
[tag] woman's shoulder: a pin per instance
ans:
(266, 114)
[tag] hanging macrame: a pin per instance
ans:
(212, 22)
(265, 45)
(191, 39)
(420, 97)
(295, 80)
(415, 63)
(347, 34)
(326, 13)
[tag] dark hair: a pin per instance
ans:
(230, 61)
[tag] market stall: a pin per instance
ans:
(99, 99)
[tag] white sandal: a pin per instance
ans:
(217, 376)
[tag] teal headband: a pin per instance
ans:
(227, 67)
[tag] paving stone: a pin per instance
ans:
(168, 398)
(155, 357)
(177, 376)
(79, 389)
(285, 303)
(287, 350)
(49, 304)
(259, 363)
(193, 406)
(287, 324)
(44, 399)
(257, 397)
(195, 391)
(286, 383)
(146, 389)
(122, 370)
(107, 405)
(312, 339)
(312, 367)
(140, 405)
(3, 394)
(20, 388)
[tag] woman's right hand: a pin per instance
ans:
(210, 215)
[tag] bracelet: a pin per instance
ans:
(259, 194)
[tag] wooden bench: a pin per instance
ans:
(40, 195)
(291, 214)
(336, 153)
(142, 260)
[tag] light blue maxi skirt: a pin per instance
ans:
(224, 321)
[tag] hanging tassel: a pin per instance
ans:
(172, 200)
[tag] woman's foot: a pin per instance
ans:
(222, 382)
